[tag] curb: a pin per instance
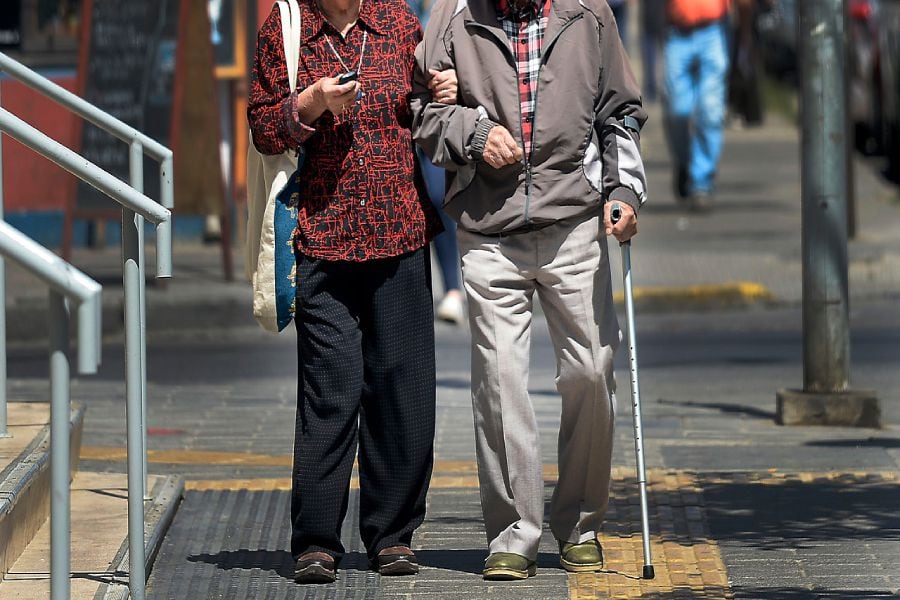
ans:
(159, 513)
(738, 294)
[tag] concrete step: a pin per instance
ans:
(25, 475)
(99, 558)
(99, 514)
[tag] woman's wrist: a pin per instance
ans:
(310, 104)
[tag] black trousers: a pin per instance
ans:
(365, 341)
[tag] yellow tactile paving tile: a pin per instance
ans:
(686, 560)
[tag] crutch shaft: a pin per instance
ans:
(636, 409)
(648, 573)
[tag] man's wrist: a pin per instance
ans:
(479, 139)
(626, 196)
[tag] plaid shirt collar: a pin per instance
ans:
(528, 10)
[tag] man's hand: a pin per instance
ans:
(333, 97)
(501, 148)
(626, 228)
(443, 85)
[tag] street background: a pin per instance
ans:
(740, 507)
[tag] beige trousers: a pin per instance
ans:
(568, 265)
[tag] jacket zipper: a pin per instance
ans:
(511, 57)
(545, 51)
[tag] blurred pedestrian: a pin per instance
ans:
(620, 12)
(365, 332)
(744, 92)
(451, 308)
(542, 146)
(696, 68)
(653, 34)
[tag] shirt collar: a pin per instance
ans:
(532, 9)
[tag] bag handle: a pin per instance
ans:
(290, 33)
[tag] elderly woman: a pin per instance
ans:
(364, 319)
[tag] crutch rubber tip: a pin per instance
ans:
(648, 572)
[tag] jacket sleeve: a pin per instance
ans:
(271, 109)
(620, 117)
(443, 131)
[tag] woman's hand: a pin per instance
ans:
(333, 97)
(443, 85)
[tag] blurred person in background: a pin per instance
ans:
(451, 308)
(620, 12)
(696, 71)
(365, 326)
(744, 92)
(542, 144)
(653, 34)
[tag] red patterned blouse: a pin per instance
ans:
(360, 197)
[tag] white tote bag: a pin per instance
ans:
(272, 207)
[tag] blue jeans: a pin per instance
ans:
(696, 64)
(620, 12)
(445, 242)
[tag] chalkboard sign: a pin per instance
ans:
(128, 69)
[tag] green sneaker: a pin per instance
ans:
(585, 557)
(504, 566)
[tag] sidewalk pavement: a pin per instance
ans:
(740, 507)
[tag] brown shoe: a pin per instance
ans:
(314, 567)
(396, 560)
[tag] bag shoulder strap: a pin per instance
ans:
(290, 33)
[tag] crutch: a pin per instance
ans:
(615, 214)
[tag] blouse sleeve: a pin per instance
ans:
(272, 108)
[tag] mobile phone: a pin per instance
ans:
(348, 77)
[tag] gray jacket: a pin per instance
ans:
(585, 144)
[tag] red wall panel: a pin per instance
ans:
(30, 182)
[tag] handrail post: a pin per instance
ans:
(131, 225)
(164, 230)
(136, 178)
(4, 422)
(60, 538)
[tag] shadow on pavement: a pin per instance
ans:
(724, 408)
(866, 443)
(278, 562)
(783, 593)
(472, 561)
(787, 513)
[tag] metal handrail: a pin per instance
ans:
(65, 279)
(65, 282)
(139, 143)
(85, 170)
(136, 207)
(110, 124)
(82, 107)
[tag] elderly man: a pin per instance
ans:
(541, 140)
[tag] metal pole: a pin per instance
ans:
(136, 178)
(826, 340)
(60, 538)
(131, 276)
(4, 422)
